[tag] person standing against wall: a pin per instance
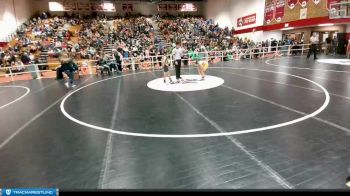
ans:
(348, 50)
(328, 45)
(335, 44)
(118, 59)
(313, 47)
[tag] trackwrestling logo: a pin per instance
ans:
(32, 192)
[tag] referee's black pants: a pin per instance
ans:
(313, 49)
(178, 69)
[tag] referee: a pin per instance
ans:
(313, 48)
(177, 54)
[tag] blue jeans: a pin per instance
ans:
(70, 75)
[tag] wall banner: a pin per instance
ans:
(316, 1)
(84, 6)
(269, 12)
(246, 20)
(279, 11)
(291, 3)
(96, 7)
(162, 7)
(70, 6)
(303, 3)
(329, 2)
(173, 7)
(303, 13)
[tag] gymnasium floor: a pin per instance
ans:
(291, 136)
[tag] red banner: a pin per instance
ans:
(291, 3)
(269, 11)
(3, 44)
(329, 2)
(246, 20)
(303, 3)
(162, 7)
(279, 11)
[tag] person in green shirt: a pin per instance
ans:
(230, 56)
(190, 53)
(195, 55)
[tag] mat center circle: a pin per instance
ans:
(188, 83)
(232, 132)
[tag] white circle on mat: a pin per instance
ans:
(189, 83)
(335, 61)
(19, 98)
(233, 132)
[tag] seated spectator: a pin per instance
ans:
(102, 64)
(19, 66)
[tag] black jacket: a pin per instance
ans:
(69, 66)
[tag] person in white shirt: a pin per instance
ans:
(177, 54)
(58, 44)
(313, 48)
(19, 65)
(147, 55)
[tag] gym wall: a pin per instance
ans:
(226, 12)
(12, 14)
(298, 12)
(144, 8)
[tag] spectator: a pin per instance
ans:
(348, 50)
(335, 44)
(328, 45)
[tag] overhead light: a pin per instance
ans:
(325, 25)
(55, 6)
(288, 28)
